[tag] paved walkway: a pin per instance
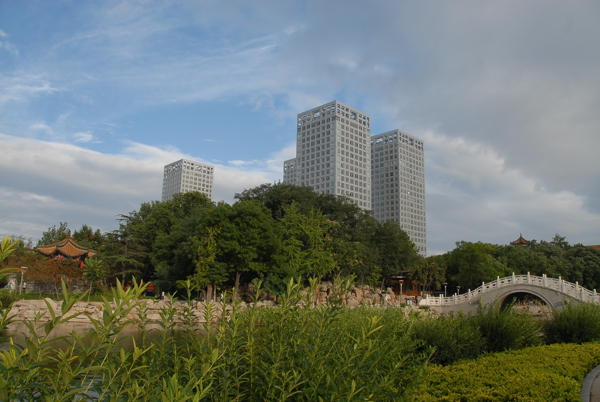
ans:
(590, 391)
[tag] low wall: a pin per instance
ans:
(27, 310)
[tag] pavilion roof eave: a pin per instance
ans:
(67, 247)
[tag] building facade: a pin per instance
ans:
(332, 153)
(289, 172)
(184, 176)
(385, 173)
(398, 183)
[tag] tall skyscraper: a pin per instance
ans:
(398, 183)
(332, 153)
(335, 154)
(184, 176)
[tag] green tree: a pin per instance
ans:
(94, 271)
(277, 197)
(88, 237)
(470, 264)
(248, 240)
(55, 234)
(585, 262)
(307, 243)
(205, 259)
(428, 274)
(397, 253)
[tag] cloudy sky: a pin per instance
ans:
(96, 97)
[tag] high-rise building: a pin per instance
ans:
(184, 176)
(398, 183)
(333, 153)
(289, 171)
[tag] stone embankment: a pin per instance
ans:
(82, 312)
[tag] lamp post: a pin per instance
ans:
(401, 282)
(23, 269)
(445, 288)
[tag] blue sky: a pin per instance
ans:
(96, 97)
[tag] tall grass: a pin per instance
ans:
(452, 338)
(506, 329)
(295, 351)
(492, 329)
(576, 323)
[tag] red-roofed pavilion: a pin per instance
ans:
(520, 242)
(66, 248)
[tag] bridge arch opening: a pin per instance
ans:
(525, 301)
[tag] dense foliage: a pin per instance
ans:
(491, 329)
(575, 323)
(256, 354)
(273, 232)
(278, 231)
(542, 373)
(470, 264)
(295, 351)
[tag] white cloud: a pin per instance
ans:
(241, 163)
(44, 183)
(23, 87)
(83, 137)
(474, 194)
(5, 44)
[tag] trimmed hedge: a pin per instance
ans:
(540, 373)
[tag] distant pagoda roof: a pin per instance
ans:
(67, 248)
(520, 241)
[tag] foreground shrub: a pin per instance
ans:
(542, 373)
(288, 352)
(576, 323)
(453, 338)
(506, 329)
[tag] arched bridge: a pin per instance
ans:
(553, 292)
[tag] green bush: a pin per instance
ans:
(576, 323)
(7, 297)
(293, 351)
(506, 329)
(452, 337)
(541, 373)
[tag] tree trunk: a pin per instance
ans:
(236, 288)
(209, 292)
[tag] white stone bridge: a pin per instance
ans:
(550, 291)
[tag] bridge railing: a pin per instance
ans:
(573, 290)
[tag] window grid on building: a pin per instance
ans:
(185, 176)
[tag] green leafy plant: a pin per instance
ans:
(541, 373)
(506, 329)
(576, 323)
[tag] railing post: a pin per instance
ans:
(469, 294)
(482, 287)
(454, 297)
(497, 281)
(441, 300)
(528, 278)
(544, 280)
(560, 284)
(514, 278)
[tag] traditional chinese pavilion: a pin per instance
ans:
(66, 248)
(520, 242)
